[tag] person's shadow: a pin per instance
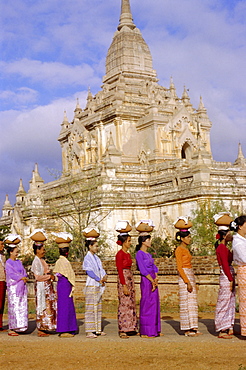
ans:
(173, 323)
(209, 324)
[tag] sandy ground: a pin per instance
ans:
(172, 351)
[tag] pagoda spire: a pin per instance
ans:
(36, 180)
(240, 161)
(77, 110)
(21, 193)
(201, 105)
(7, 207)
(126, 15)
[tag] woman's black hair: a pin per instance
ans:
(64, 251)
(222, 234)
(239, 221)
(122, 238)
(90, 242)
(141, 240)
(9, 249)
(37, 246)
(181, 234)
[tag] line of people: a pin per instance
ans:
(55, 311)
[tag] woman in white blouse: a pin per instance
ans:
(239, 257)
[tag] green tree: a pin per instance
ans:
(161, 247)
(204, 230)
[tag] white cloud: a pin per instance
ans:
(22, 96)
(50, 73)
(31, 136)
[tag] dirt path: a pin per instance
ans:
(172, 351)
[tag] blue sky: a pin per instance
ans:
(52, 51)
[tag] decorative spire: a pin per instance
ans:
(126, 15)
(20, 193)
(65, 119)
(65, 122)
(201, 105)
(36, 180)
(240, 161)
(89, 95)
(7, 208)
(112, 155)
(21, 189)
(172, 89)
(78, 109)
(112, 150)
(7, 204)
(185, 96)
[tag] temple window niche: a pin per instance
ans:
(186, 151)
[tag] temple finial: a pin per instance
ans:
(240, 161)
(201, 105)
(126, 15)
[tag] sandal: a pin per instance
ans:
(91, 336)
(198, 333)
(42, 334)
(12, 333)
(224, 335)
(66, 335)
(123, 335)
(102, 333)
(191, 334)
(146, 336)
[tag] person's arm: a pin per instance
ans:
(92, 275)
(143, 270)
(119, 265)
(223, 252)
(178, 255)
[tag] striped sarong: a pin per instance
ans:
(225, 307)
(188, 302)
(93, 310)
(127, 316)
(241, 279)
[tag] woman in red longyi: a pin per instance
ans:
(127, 317)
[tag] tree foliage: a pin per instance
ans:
(77, 205)
(204, 230)
(161, 247)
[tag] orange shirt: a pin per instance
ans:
(183, 259)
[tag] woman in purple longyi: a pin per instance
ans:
(16, 278)
(66, 315)
(149, 316)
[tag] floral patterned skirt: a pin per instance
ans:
(46, 320)
(127, 316)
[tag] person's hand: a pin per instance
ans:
(105, 278)
(25, 279)
(154, 285)
(52, 277)
(156, 281)
(102, 282)
(126, 290)
(189, 287)
(232, 285)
